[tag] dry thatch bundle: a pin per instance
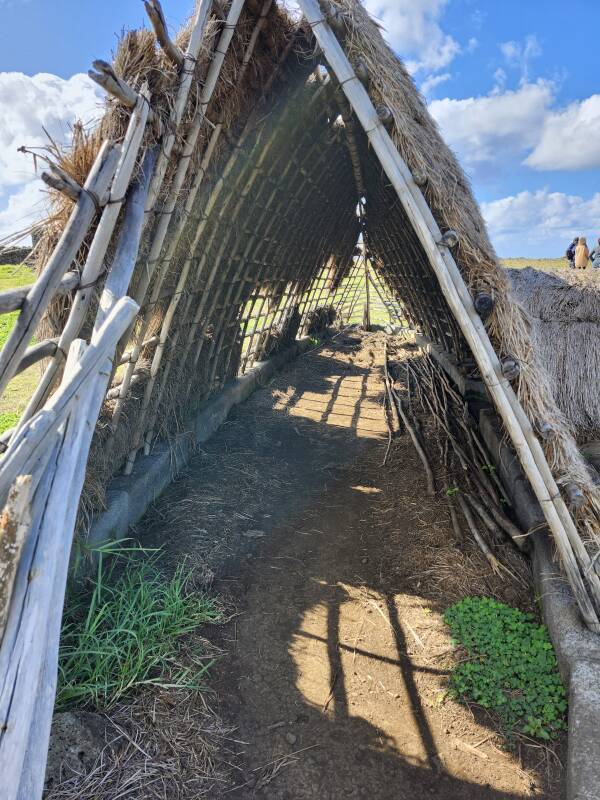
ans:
(565, 327)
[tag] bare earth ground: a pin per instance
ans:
(336, 660)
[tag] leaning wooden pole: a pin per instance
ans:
(94, 264)
(89, 203)
(29, 649)
(460, 302)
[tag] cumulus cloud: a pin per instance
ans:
(29, 105)
(523, 124)
(413, 29)
(569, 138)
(543, 220)
(493, 127)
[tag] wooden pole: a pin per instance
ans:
(72, 237)
(29, 648)
(159, 23)
(187, 74)
(13, 299)
(95, 261)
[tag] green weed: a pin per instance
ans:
(510, 667)
(129, 632)
(8, 419)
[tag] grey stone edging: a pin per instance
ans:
(577, 648)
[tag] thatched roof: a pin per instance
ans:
(565, 315)
(210, 216)
(261, 222)
(220, 191)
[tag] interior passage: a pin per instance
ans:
(336, 659)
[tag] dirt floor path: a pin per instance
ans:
(337, 659)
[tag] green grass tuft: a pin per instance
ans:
(510, 667)
(129, 632)
(11, 277)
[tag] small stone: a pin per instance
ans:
(364, 560)
(291, 738)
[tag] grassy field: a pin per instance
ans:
(550, 264)
(20, 388)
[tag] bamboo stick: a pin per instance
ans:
(154, 259)
(305, 232)
(271, 215)
(189, 204)
(44, 289)
(212, 200)
(460, 302)
(290, 247)
(226, 305)
(147, 317)
(187, 74)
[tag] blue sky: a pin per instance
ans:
(515, 87)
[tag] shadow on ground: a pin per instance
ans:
(339, 568)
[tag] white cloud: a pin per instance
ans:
(489, 129)
(434, 80)
(543, 221)
(31, 103)
(521, 124)
(569, 138)
(412, 28)
(519, 55)
(28, 105)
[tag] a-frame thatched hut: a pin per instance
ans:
(208, 215)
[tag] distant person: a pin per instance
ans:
(595, 256)
(571, 253)
(582, 254)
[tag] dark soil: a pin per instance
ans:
(337, 658)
